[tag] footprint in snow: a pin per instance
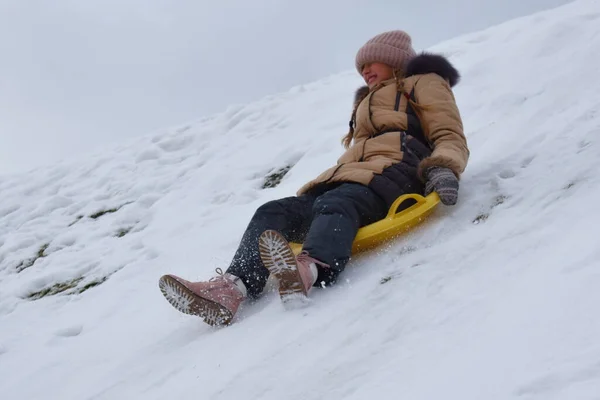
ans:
(70, 331)
(484, 215)
(175, 143)
(148, 155)
(507, 174)
(583, 145)
(528, 160)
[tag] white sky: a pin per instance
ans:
(75, 75)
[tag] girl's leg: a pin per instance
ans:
(290, 216)
(337, 216)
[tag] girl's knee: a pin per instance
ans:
(272, 207)
(331, 204)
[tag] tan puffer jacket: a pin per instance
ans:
(386, 133)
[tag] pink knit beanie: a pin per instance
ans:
(393, 48)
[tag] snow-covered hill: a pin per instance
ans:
(496, 298)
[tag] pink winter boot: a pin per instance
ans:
(215, 301)
(296, 275)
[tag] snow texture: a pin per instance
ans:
(495, 298)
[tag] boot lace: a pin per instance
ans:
(223, 279)
(304, 257)
(220, 276)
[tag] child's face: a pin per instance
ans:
(374, 73)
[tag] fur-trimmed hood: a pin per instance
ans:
(428, 63)
(424, 63)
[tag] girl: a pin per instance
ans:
(406, 136)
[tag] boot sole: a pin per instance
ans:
(187, 302)
(278, 257)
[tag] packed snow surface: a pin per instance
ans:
(495, 298)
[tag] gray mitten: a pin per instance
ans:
(444, 182)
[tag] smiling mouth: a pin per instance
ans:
(371, 78)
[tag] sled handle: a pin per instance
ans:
(394, 207)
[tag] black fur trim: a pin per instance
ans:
(427, 63)
(360, 94)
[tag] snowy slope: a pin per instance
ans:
(496, 298)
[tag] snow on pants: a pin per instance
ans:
(327, 224)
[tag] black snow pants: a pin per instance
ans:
(327, 223)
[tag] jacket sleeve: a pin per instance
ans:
(441, 124)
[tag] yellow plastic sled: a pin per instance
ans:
(392, 225)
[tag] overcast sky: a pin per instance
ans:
(78, 74)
